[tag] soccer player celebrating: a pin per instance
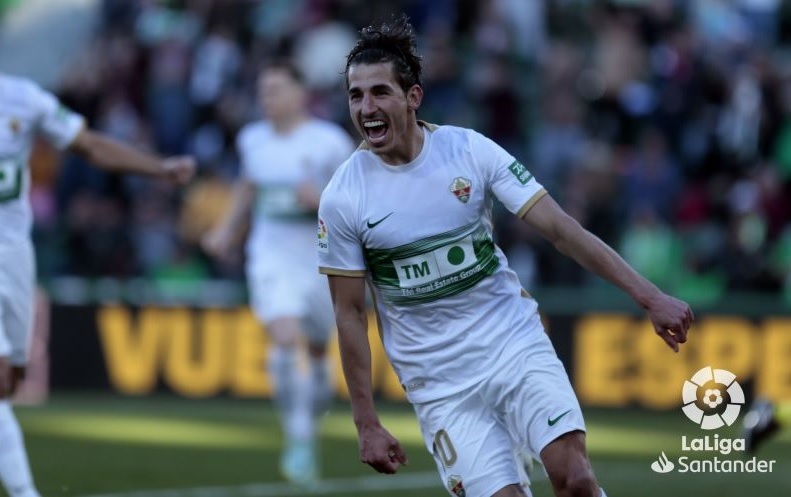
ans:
(27, 111)
(286, 161)
(410, 212)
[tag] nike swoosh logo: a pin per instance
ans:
(551, 422)
(373, 225)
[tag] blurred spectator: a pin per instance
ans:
(215, 66)
(652, 178)
(97, 235)
(652, 247)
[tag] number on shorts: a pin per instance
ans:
(10, 180)
(444, 449)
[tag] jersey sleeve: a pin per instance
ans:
(339, 246)
(506, 177)
(58, 124)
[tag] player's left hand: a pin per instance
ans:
(179, 169)
(671, 318)
(380, 450)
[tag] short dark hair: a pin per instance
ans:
(287, 65)
(389, 42)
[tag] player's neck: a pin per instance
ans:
(409, 147)
(287, 124)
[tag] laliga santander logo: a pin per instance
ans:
(707, 387)
(712, 399)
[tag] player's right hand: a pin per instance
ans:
(380, 450)
(671, 318)
(179, 169)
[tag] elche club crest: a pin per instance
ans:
(461, 188)
(455, 486)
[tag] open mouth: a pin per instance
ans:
(375, 131)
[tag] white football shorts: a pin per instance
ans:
(282, 285)
(476, 435)
(17, 287)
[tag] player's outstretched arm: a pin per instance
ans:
(219, 241)
(671, 317)
(114, 156)
(378, 448)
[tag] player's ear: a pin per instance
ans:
(414, 97)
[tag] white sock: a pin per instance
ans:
(282, 364)
(14, 467)
(301, 426)
(321, 384)
(319, 370)
(293, 394)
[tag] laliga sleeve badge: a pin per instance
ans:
(324, 246)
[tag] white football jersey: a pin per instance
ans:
(449, 307)
(26, 111)
(278, 164)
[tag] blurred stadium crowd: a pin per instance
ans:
(664, 126)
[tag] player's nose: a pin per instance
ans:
(369, 106)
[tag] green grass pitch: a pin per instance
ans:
(83, 445)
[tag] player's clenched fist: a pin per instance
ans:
(179, 169)
(380, 450)
(671, 318)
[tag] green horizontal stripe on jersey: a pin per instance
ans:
(438, 280)
(375, 257)
(291, 216)
(280, 202)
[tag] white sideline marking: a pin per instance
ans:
(282, 489)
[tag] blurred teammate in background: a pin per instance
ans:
(410, 212)
(27, 111)
(286, 160)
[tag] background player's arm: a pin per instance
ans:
(671, 317)
(378, 448)
(219, 240)
(114, 156)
